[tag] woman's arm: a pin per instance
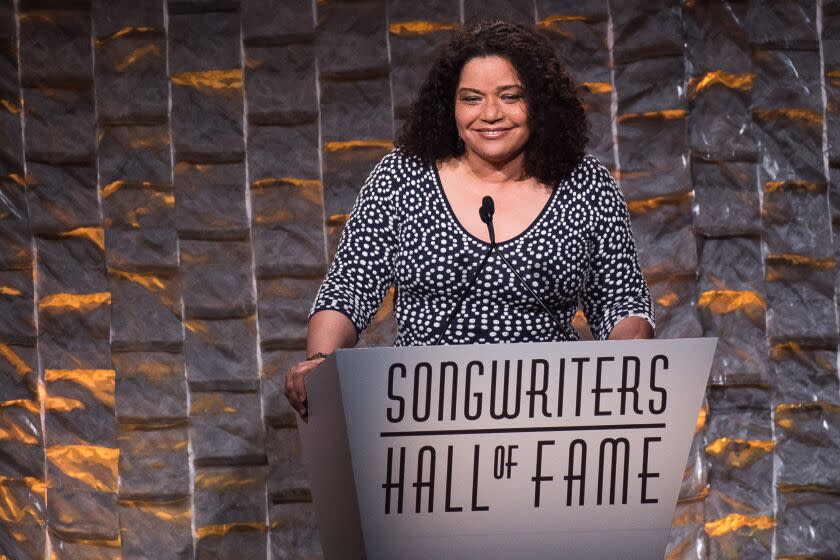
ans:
(616, 299)
(328, 331)
(631, 328)
(357, 280)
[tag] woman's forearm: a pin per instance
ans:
(328, 331)
(631, 328)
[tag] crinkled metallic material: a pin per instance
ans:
(174, 177)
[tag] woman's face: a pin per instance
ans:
(490, 110)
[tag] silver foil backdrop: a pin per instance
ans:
(174, 175)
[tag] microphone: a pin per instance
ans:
(488, 208)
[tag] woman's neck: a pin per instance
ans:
(491, 171)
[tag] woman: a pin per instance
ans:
(497, 117)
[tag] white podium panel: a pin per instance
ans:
(539, 451)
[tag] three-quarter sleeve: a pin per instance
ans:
(615, 287)
(362, 269)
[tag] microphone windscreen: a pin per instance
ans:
(487, 209)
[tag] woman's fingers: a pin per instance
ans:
(288, 389)
(295, 397)
(295, 385)
(299, 389)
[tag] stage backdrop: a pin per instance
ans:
(174, 176)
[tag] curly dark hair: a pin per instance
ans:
(555, 114)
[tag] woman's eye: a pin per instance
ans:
(511, 98)
(471, 99)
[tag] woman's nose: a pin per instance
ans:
(491, 111)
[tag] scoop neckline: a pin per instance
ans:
(454, 217)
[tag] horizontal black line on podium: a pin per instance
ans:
(523, 430)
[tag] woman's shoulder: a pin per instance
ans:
(401, 164)
(397, 179)
(591, 179)
(588, 173)
(401, 177)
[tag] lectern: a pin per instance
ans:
(537, 451)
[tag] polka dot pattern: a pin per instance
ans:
(402, 232)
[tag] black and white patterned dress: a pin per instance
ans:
(403, 232)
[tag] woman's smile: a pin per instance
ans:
(492, 133)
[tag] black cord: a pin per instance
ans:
(563, 327)
(464, 293)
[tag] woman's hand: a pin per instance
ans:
(328, 330)
(295, 387)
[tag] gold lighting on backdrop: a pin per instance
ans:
(212, 80)
(93, 465)
(648, 204)
(74, 302)
(408, 28)
(358, 144)
(739, 453)
(741, 82)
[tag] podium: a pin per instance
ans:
(539, 451)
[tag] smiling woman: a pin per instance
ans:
(491, 117)
(490, 110)
(496, 117)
